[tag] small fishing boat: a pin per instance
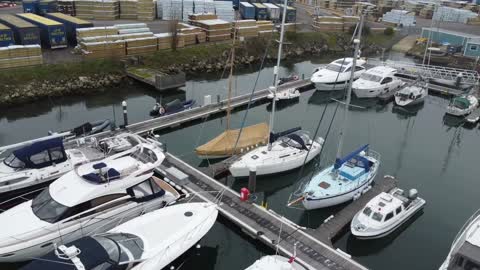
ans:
(93, 198)
(149, 242)
(174, 106)
(288, 151)
(337, 74)
(275, 262)
(462, 105)
(290, 78)
(376, 81)
(411, 95)
(464, 253)
(286, 94)
(385, 213)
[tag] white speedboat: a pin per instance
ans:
(344, 181)
(287, 152)
(411, 95)
(376, 81)
(149, 242)
(337, 74)
(462, 105)
(93, 198)
(385, 213)
(464, 253)
(42, 161)
(289, 93)
(275, 262)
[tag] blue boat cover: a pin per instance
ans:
(92, 254)
(298, 139)
(24, 154)
(361, 161)
(275, 136)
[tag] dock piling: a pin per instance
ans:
(252, 179)
(125, 114)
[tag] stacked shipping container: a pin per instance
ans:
(71, 25)
(24, 32)
(52, 33)
(6, 36)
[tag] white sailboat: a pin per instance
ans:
(350, 175)
(92, 198)
(285, 151)
(149, 242)
(275, 262)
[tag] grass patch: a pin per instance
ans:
(60, 71)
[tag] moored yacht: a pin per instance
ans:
(151, 241)
(289, 93)
(92, 198)
(337, 74)
(376, 81)
(464, 253)
(411, 95)
(286, 153)
(38, 163)
(275, 262)
(462, 105)
(385, 213)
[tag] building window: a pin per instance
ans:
(473, 47)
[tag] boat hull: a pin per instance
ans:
(409, 102)
(320, 86)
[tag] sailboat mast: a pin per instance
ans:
(275, 73)
(230, 77)
(356, 41)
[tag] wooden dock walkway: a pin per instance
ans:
(256, 221)
(333, 227)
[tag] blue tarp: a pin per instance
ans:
(361, 161)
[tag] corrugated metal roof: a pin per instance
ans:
(11, 19)
(259, 5)
(39, 19)
(68, 18)
(4, 27)
(461, 34)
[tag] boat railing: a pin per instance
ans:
(23, 197)
(374, 154)
(462, 233)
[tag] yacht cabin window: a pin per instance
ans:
(367, 211)
(13, 162)
(46, 208)
(40, 158)
(387, 80)
(377, 216)
(399, 209)
(146, 190)
(370, 77)
(358, 68)
(389, 216)
(337, 68)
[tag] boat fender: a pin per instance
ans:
(161, 110)
(357, 196)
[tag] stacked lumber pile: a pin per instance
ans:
(349, 21)
(216, 29)
(191, 34)
(164, 41)
(201, 17)
(427, 12)
(106, 10)
(66, 7)
(84, 9)
(128, 9)
(290, 27)
(245, 28)
(142, 45)
(103, 49)
(95, 32)
(146, 10)
(473, 21)
(328, 24)
(116, 37)
(20, 56)
(265, 28)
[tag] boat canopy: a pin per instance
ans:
(361, 161)
(42, 154)
(461, 102)
(275, 136)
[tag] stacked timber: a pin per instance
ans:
(144, 45)
(216, 29)
(426, 12)
(164, 40)
(106, 10)
(104, 49)
(116, 37)
(146, 10)
(349, 21)
(245, 28)
(290, 27)
(66, 7)
(265, 28)
(201, 17)
(20, 56)
(128, 9)
(95, 32)
(474, 21)
(328, 24)
(191, 34)
(84, 9)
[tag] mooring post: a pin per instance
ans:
(252, 179)
(303, 76)
(218, 99)
(125, 114)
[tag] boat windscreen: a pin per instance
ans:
(336, 68)
(13, 162)
(370, 77)
(461, 103)
(377, 216)
(46, 208)
(131, 246)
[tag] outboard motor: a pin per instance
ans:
(412, 194)
(458, 80)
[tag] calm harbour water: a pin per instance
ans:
(422, 147)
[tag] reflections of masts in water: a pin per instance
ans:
(403, 144)
(456, 141)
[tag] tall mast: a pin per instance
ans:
(275, 73)
(356, 41)
(230, 77)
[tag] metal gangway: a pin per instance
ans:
(430, 71)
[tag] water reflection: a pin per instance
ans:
(324, 97)
(283, 104)
(359, 248)
(407, 112)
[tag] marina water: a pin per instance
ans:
(422, 147)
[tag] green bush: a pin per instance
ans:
(388, 31)
(365, 32)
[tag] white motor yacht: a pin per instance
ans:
(287, 153)
(289, 93)
(42, 161)
(385, 213)
(411, 95)
(149, 242)
(462, 105)
(336, 75)
(464, 253)
(376, 81)
(92, 198)
(275, 262)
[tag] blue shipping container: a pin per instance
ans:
(247, 10)
(291, 16)
(6, 36)
(260, 11)
(30, 6)
(236, 3)
(52, 33)
(24, 32)
(71, 25)
(47, 6)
